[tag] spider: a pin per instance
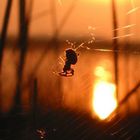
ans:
(71, 59)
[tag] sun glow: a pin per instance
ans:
(104, 93)
(104, 100)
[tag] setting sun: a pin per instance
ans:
(104, 100)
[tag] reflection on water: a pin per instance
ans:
(73, 92)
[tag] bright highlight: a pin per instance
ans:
(104, 99)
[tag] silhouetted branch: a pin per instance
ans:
(4, 29)
(34, 102)
(23, 36)
(115, 45)
(3, 37)
(66, 16)
(129, 94)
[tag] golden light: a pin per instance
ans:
(100, 71)
(104, 99)
(104, 93)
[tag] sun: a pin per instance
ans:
(104, 99)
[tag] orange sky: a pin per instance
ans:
(94, 13)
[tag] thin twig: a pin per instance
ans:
(115, 45)
(67, 15)
(129, 94)
(125, 99)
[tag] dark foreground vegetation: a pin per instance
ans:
(62, 124)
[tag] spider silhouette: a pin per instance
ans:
(71, 59)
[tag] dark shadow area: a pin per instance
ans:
(66, 124)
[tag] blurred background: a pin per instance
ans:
(34, 35)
